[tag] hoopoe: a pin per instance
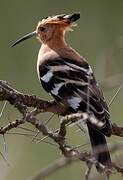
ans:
(68, 77)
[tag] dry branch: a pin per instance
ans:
(64, 161)
(22, 101)
(10, 94)
(58, 164)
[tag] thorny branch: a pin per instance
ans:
(22, 101)
(64, 161)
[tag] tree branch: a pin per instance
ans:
(22, 101)
(12, 96)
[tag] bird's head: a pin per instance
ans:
(52, 26)
(57, 25)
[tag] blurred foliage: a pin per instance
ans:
(98, 37)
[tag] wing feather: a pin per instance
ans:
(74, 84)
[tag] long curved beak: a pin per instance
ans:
(27, 36)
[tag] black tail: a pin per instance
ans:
(98, 141)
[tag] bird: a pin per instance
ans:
(70, 80)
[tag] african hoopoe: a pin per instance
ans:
(69, 79)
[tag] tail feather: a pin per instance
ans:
(98, 141)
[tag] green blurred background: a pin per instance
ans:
(98, 37)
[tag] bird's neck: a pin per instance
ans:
(57, 47)
(57, 41)
(53, 45)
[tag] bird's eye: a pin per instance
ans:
(41, 29)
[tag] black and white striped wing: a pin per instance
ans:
(73, 83)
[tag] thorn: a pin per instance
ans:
(4, 158)
(115, 95)
(21, 134)
(47, 121)
(81, 128)
(5, 147)
(35, 136)
(42, 139)
(2, 110)
(88, 171)
(26, 129)
(53, 144)
(78, 146)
